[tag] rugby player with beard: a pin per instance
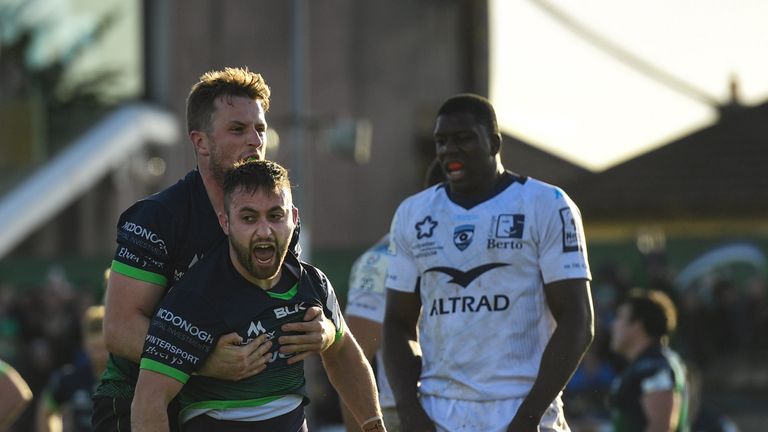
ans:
(251, 285)
(162, 236)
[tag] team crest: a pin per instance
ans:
(463, 235)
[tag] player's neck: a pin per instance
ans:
(214, 189)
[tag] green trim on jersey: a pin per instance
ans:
(141, 275)
(286, 295)
(156, 366)
(229, 404)
(339, 331)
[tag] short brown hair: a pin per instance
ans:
(654, 309)
(251, 175)
(227, 83)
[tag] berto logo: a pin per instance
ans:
(462, 236)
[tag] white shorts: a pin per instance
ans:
(454, 415)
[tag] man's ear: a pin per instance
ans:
(495, 144)
(224, 222)
(200, 142)
(295, 213)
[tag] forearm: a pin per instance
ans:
(402, 365)
(560, 359)
(350, 374)
(126, 338)
(149, 417)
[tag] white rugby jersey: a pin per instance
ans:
(485, 321)
(367, 298)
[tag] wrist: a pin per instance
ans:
(373, 424)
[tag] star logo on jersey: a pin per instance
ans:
(463, 235)
(464, 278)
(424, 228)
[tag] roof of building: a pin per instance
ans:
(718, 171)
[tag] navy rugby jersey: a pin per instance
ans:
(158, 239)
(656, 369)
(215, 300)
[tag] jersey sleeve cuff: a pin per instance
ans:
(156, 366)
(142, 275)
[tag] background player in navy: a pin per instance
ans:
(493, 269)
(651, 394)
(251, 285)
(162, 236)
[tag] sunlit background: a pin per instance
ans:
(601, 81)
(652, 115)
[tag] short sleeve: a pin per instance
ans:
(562, 244)
(402, 272)
(144, 238)
(366, 297)
(182, 333)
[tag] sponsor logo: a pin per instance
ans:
(571, 234)
(465, 304)
(256, 329)
(504, 244)
(145, 234)
(425, 228)
(171, 353)
(463, 235)
(285, 311)
(127, 255)
(179, 322)
(464, 278)
(510, 226)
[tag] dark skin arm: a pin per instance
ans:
(570, 302)
(401, 363)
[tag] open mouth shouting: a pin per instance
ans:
(264, 253)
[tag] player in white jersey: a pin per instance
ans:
(366, 302)
(493, 269)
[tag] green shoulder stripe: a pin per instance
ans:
(160, 368)
(286, 295)
(142, 275)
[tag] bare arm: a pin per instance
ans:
(15, 395)
(318, 334)
(662, 409)
(129, 304)
(369, 338)
(149, 410)
(401, 363)
(570, 301)
(352, 377)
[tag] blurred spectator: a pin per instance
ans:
(65, 404)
